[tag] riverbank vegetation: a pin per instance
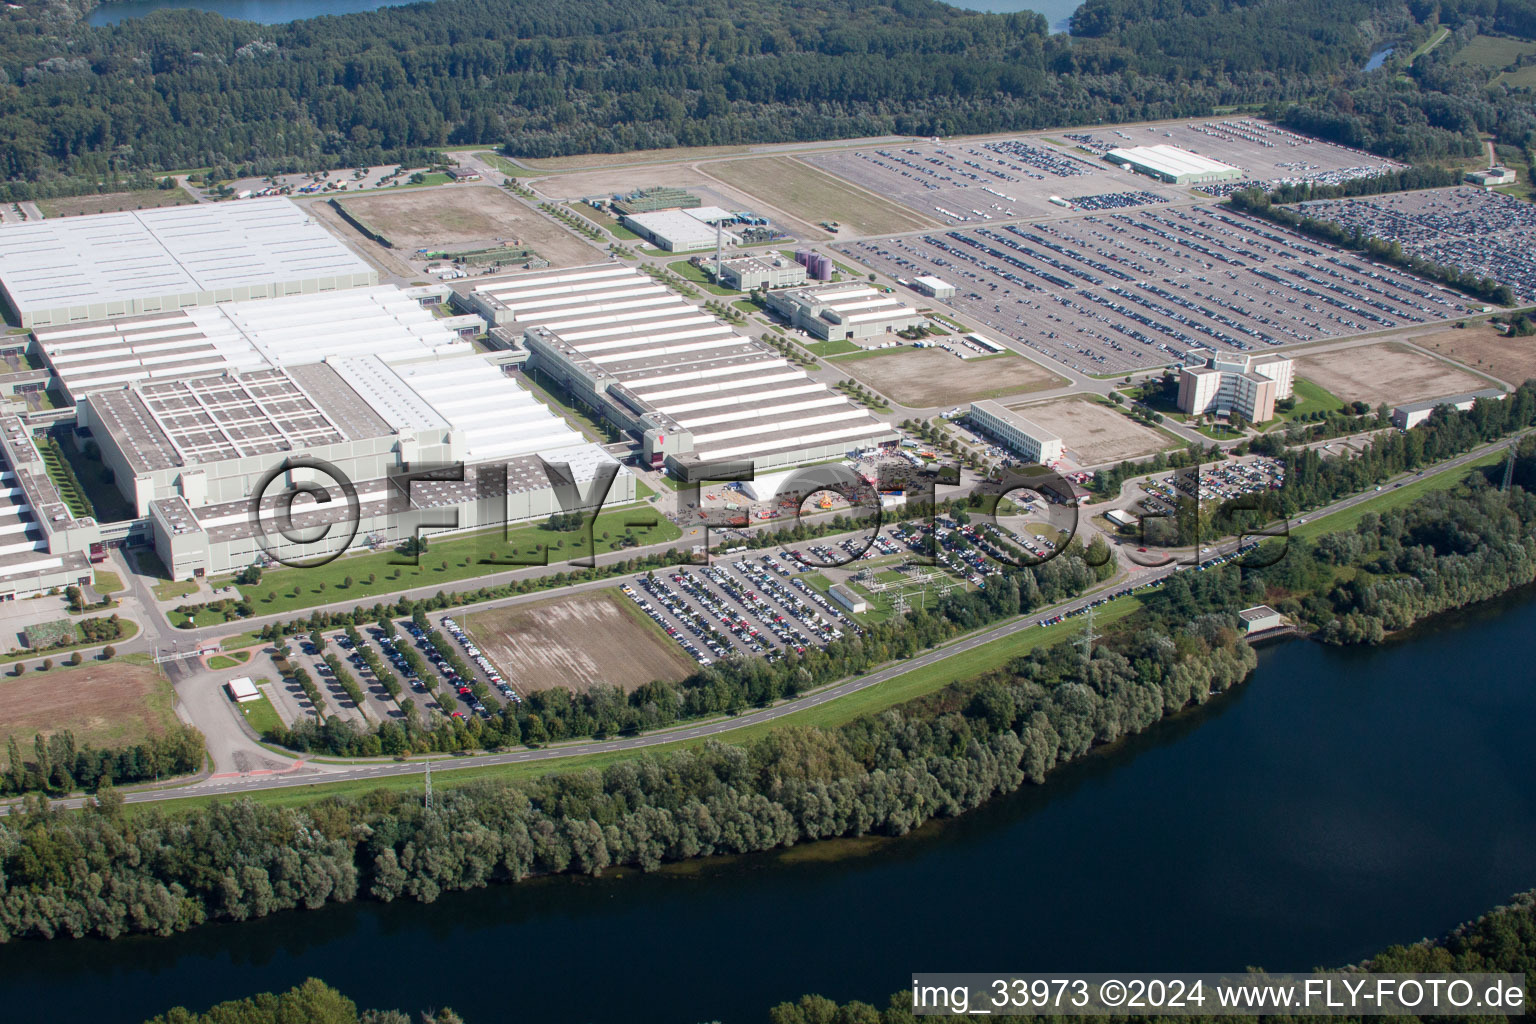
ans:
(311, 1002)
(115, 107)
(1502, 940)
(938, 755)
(888, 773)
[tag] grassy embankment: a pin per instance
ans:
(905, 687)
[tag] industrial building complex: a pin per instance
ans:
(1233, 383)
(746, 273)
(1030, 440)
(78, 269)
(843, 311)
(679, 380)
(395, 395)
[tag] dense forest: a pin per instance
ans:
(103, 872)
(87, 107)
(1502, 940)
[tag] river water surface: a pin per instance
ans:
(1338, 802)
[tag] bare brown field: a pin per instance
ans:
(921, 378)
(466, 218)
(114, 202)
(1094, 434)
(812, 195)
(576, 642)
(107, 704)
(1481, 347)
(1386, 372)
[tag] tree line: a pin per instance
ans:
(886, 773)
(1501, 941)
(107, 108)
(232, 861)
(60, 765)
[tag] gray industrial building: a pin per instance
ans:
(677, 230)
(102, 266)
(42, 544)
(681, 381)
(1029, 439)
(399, 394)
(744, 273)
(850, 311)
(1411, 414)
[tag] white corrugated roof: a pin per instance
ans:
(1171, 160)
(106, 257)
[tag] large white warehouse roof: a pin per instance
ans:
(1172, 161)
(112, 264)
(737, 397)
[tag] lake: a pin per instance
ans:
(276, 12)
(266, 12)
(1340, 801)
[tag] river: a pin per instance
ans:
(1340, 801)
(276, 12)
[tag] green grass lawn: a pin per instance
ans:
(260, 715)
(58, 654)
(170, 590)
(688, 272)
(107, 582)
(429, 178)
(1435, 39)
(1310, 398)
(246, 639)
(597, 216)
(1394, 497)
(830, 348)
(1493, 51)
(507, 167)
(445, 561)
(223, 661)
(870, 353)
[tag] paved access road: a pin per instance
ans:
(300, 773)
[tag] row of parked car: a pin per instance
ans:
(672, 603)
(486, 665)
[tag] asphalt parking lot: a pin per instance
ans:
(1472, 229)
(1126, 291)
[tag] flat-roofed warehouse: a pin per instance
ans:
(380, 320)
(676, 230)
(686, 384)
(366, 380)
(107, 265)
(843, 311)
(1174, 165)
(1029, 439)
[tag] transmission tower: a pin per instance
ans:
(1086, 640)
(1509, 468)
(899, 603)
(428, 802)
